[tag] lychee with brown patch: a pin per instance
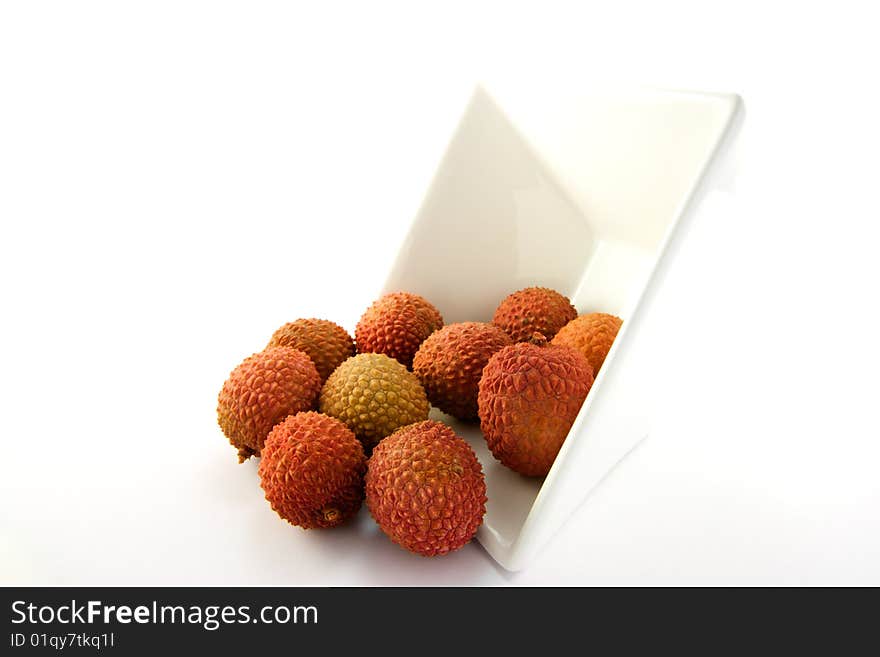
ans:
(262, 391)
(450, 362)
(396, 325)
(529, 396)
(312, 471)
(425, 488)
(533, 310)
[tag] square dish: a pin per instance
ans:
(583, 191)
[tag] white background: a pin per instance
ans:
(177, 179)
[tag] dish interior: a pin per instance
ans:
(576, 192)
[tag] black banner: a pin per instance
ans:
(410, 621)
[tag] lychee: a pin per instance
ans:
(374, 395)
(425, 489)
(592, 335)
(326, 343)
(312, 470)
(450, 362)
(396, 325)
(262, 391)
(533, 310)
(529, 396)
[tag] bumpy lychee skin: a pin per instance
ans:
(374, 395)
(326, 343)
(425, 489)
(592, 335)
(533, 310)
(450, 362)
(528, 399)
(312, 471)
(396, 325)
(262, 391)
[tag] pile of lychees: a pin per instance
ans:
(336, 421)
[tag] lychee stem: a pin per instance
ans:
(538, 340)
(245, 452)
(331, 514)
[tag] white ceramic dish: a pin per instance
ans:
(583, 192)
